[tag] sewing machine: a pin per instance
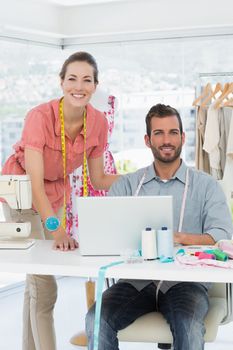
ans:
(16, 191)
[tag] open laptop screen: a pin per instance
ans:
(112, 225)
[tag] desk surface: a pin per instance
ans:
(42, 259)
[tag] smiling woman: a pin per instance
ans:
(58, 137)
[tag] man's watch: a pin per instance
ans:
(52, 223)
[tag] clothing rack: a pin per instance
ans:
(216, 74)
(222, 170)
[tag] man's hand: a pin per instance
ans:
(193, 239)
(179, 238)
(62, 241)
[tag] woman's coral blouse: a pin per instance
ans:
(42, 133)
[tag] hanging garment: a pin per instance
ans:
(227, 180)
(201, 156)
(211, 141)
(76, 178)
(225, 116)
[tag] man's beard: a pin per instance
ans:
(166, 159)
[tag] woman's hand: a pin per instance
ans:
(34, 163)
(62, 241)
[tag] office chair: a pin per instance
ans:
(153, 328)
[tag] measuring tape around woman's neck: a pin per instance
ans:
(63, 148)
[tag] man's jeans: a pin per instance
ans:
(184, 306)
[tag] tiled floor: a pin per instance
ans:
(69, 318)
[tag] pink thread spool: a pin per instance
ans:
(197, 253)
(206, 256)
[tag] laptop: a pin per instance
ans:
(110, 226)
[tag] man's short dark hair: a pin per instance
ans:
(162, 111)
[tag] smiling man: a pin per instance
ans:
(200, 216)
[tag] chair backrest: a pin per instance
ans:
(224, 290)
(218, 290)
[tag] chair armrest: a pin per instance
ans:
(229, 304)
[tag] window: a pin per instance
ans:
(28, 76)
(139, 74)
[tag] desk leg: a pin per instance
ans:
(80, 338)
(90, 293)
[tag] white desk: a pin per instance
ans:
(42, 259)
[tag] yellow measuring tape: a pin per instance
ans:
(63, 148)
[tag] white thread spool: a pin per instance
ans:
(165, 242)
(149, 250)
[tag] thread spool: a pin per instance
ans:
(203, 255)
(149, 249)
(197, 253)
(220, 255)
(208, 251)
(165, 242)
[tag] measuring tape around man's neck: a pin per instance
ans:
(63, 148)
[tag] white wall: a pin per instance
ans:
(30, 19)
(147, 15)
(138, 18)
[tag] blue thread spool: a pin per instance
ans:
(165, 242)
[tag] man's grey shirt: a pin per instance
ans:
(206, 210)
